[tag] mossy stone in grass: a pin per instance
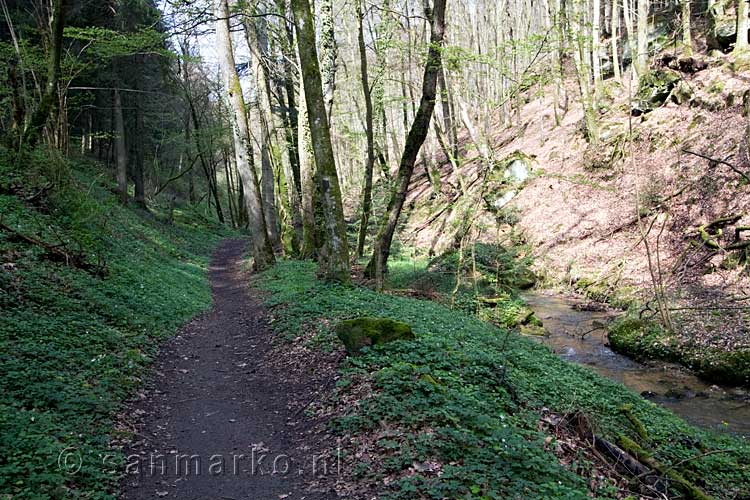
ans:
(365, 331)
(525, 279)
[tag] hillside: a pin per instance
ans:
(77, 336)
(577, 209)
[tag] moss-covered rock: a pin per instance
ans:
(533, 330)
(506, 179)
(653, 90)
(642, 339)
(525, 279)
(682, 93)
(365, 331)
(525, 316)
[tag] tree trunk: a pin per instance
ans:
(641, 59)
(377, 266)
(583, 72)
(687, 38)
(138, 165)
(334, 251)
(261, 247)
(306, 161)
(50, 100)
(121, 153)
(595, 48)
(230, 188)
(614, 33)
(628, 13)
(369, 129)
(328, 54)
(282, 125)
(263, 104)
(743, 25)
(448, 114)
(290, 113)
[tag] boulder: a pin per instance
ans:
(533, 331)
(653, 90)
(525, 279)
(366, 331)
(682, 93)
(526, 317)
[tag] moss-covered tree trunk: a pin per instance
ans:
(333, 247)
(417, 134)
(370, 132)
(50, 100)
(121, 153)
(309, 248)
(261, 247)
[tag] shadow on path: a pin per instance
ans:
(215, 422)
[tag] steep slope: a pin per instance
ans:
(76, 336)
(577, 209)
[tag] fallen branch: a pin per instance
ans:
(732, 166)
(687, 488)
(640, 429)
(56, 252)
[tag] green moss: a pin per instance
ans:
(641, 339)
(601, 290)
(716, 87)
(362, 332)
(533, 330)
(654, 88)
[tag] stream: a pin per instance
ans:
(709, 406)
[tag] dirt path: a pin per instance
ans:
(215, 421)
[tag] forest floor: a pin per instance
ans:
(469, 409)
(215, 418)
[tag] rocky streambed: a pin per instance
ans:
(577, 335)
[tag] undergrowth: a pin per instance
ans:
(74, 342)
(469, 396)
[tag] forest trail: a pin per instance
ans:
(215, 422)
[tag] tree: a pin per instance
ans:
(687, 38)
(261, 247)
(369, 131)
(615, 18)
(121, 153)
(641, 57)
(49, 101)
(417, 134)
(333, 249)
(273, 125)
(263, 105)
(743, 26)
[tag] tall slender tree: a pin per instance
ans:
(50, 100)
(121, 152)
(263, 106)
(417, 134)
(743, 26)
(261, 246)
(369, 131)
(333, 249)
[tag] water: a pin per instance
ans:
(574, 336)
